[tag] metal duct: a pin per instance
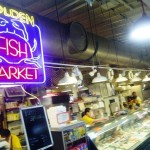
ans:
(77, 41)
(56, 45)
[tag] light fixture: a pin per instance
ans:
(99, 78)
(130, 75)
(82, 88)
(135, 79)
(76, 71)
(77, 74)
(92, 73)
(110, 74)
(121, 79)
(146, 79)
(73, 76)
(67, 79)
(141, 28)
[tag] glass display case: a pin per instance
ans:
(70, 137)
(124, 133)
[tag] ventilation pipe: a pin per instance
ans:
(79, 46)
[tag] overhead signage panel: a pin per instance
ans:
(21, 53)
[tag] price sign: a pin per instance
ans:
(63, 118)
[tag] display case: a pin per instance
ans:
(124, 133)
(70, 137)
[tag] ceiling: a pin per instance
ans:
(111, 20)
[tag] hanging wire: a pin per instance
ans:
(112, 34)
(68, 18)
(142, 6)
(22, 5)
(95, 44)
(130, 54)
(144, 47)
(60, 32)
(93, 61)
(38, 102)
(91, 28)
(115, 45)
(95, 28)
(108, 45)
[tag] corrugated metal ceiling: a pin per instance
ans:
(113, 23)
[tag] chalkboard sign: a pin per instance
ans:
(36, 127)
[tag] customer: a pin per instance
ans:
(12, 139)
(137, 99)
(86, 117)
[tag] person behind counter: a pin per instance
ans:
(131, 102)
(12, 139)
(137, 99)
(86, 117)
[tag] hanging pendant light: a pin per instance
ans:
(82, 88)
(67, 79)
(66, 89)
(121, 79)
(110, 74)
(99, 78)
(141, 28)
(146, 79)
(136, 79)
(92, 73)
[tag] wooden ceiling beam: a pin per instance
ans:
(61, 7)
(98, 12)
(30, 3)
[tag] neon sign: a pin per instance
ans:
(23, 17)
(21, 54)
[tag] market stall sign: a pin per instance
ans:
(21, 54)
(63, 118)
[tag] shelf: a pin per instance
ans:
(75, 140)
(9, 109)
(13, 120)
(13, 99)
(91, 101)
(96, 108)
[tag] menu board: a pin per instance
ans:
(36, 127)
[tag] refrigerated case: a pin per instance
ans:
(125, 133)
(70, 137)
